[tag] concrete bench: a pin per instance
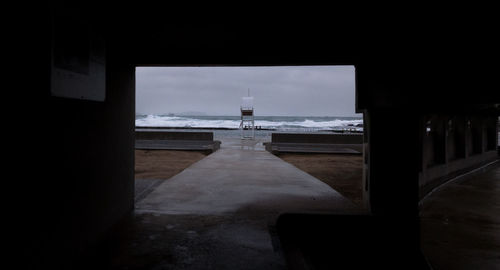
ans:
(315, 143)
(175, 140)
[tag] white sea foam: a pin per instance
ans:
(234, 122)
(176, 121)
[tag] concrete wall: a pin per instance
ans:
(317, 138)
(155, 134)
(93, 163)
(76, 160)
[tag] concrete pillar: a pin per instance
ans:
(366, 161)
(393, 152)
(468, 136)
(394, 155)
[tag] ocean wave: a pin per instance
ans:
(234, 122)
(177, 121)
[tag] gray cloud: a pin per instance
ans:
(286, 90)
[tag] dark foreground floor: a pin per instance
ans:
(154, 241)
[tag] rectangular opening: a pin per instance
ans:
(301, 100)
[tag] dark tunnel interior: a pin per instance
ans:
(75, 157)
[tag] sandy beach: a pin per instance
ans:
(163, 164)
(340, 171)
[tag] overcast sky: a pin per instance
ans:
(277, 91)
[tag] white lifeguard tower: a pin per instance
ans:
(247, 125)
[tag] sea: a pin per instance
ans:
(224, 126)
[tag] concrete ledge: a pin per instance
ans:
(210, 146)
(158, 134)
(276, 148)
(315, 143)
(145, 186)
(151, 139)
(317, 138)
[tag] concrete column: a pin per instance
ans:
(468, 137)
(449, 140)
(366, 161)
(395, 157)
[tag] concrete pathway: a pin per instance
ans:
(241, 174)
(220, 213)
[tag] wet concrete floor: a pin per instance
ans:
(460, 223)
